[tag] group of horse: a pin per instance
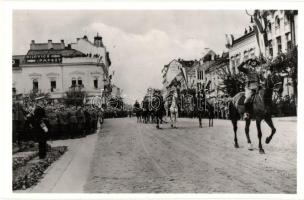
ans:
(154, 109)
(158, 110)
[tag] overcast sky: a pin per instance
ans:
(140, 42)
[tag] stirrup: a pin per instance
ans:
(246, 115)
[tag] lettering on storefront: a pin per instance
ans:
(44, 58)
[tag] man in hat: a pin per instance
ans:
(252, 82)
(38, 117)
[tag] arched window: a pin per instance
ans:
(269, 28)
(79, 81)
(96, 83)
(286, 19)
(246, 55)
(35, 85)
(277, 22)
(73, 82)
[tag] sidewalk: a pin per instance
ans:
(70, 172)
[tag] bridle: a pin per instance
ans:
(274, 86)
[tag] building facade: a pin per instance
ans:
(241, 49)
(281, 36)
(208, 59)
(281, 29)
(55, 68)
(213, 76)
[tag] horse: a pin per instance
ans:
(204, 108)
(173, 110)
(260, 109)
(138, 112)
(157, 108)
(210, 114)
(145, 112)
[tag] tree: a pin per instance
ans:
(233, 83)
(287, 63)
(75, 96)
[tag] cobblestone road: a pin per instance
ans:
(137, 158)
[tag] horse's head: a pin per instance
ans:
(274, 82)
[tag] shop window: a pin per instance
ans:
(73, 82)
(96, 83)
(35, 85)
(79, 82)
(53, 85)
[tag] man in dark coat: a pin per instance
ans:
(38, 121)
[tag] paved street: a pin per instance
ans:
(70, 172)
(138, 158)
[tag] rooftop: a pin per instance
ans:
(242, 38)
(63, 52)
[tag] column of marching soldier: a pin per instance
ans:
(71, 121)
(62, 121)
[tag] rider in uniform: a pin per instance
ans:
(252, 82)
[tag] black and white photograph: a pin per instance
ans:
(161, 101)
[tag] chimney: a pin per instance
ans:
(50, 44)
(62, 44)
(32, 44)
(98, 41)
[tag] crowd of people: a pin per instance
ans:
(63, 121)
(285, 106)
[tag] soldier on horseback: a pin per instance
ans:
(252, 82)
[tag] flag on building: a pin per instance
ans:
(260, 31)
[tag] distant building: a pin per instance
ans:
(280, 35)
(172, 76)
(55, 68)
(179, 73)
(213, 75)
(208, 58)
(241, 49)
(282, 28)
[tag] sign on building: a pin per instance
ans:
(43, 58)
